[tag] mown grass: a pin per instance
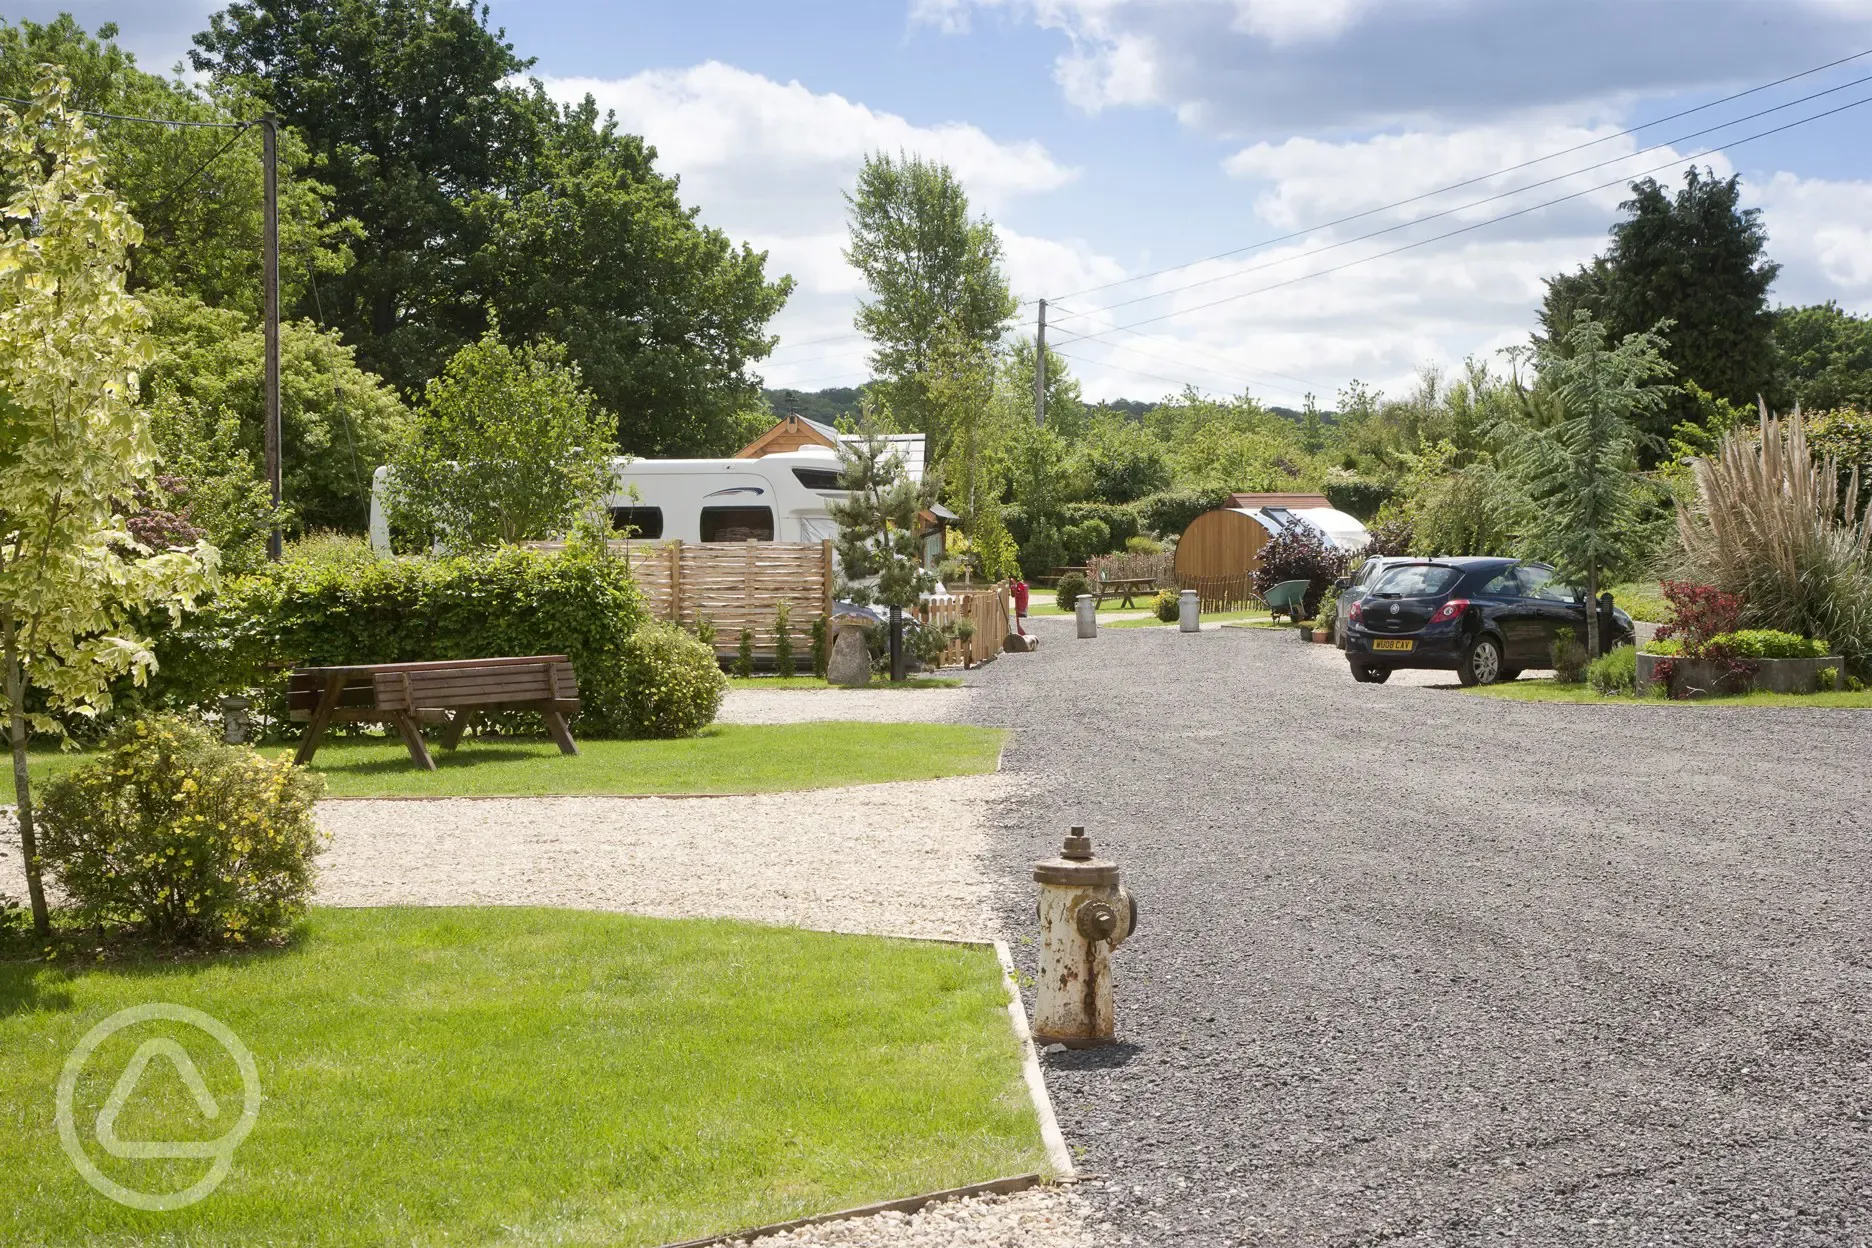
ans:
(1549, 691)
(522, 1076)
(1643, 600)
(818, 682)
(725, 758)
(1247, 619)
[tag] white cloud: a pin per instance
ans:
(1821, 232)
(769, 163)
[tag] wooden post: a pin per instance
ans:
(825, 572)
(675, 581)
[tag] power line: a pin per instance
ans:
(1507, 216)
(1457, 186)
(183, 182)
(1229, 377)
(1477, 203)
(154, 121)
(1132, 371)
(1200, 350)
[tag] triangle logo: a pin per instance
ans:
(126, 1087)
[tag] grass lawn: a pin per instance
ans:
(1642, 600)
(726, 758)
(1244, 619)
(816, 682)
(1045, 605)
(522, 1076)
(1548, 691)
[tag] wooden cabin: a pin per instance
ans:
(1220, 552)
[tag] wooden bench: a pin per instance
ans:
(456, 692)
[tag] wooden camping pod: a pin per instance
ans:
(1217, 556)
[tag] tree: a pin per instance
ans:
(75, 449)
(1696, 260)
(931, 269)
(511, 447)
(1580, 474)
(878, 524)
(478, 195)
(664, 316)
(408, 109)
(967, 425)
(337, 422)
(1124, 463)
(1826, 356)
(196, 191)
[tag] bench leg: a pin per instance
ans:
(412, 737)
(459, 724)
(321, 718)
(557, 729)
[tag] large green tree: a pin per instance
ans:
(1826, 356)
(75, 446)
(195, 190)
(664, 315)
(476, 194)
(1696, 259)
(933, 270)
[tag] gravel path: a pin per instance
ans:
(882, 706)
(891, 859)
(1421, 968)
(1040, 1217)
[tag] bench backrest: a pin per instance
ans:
(475, 686)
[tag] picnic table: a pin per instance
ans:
(1127, 587)
(453, 691)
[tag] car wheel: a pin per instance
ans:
(1481, 662)
(1370, 673)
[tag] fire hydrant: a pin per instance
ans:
(1085, 913)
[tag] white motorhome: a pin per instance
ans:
(776, 498)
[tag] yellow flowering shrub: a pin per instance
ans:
(183, 839)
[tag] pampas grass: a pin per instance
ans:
(1772, 523)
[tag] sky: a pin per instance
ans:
(1176, 176)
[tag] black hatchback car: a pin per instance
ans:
(1484, 619)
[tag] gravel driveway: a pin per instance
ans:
(1417, 967)
(882, 706)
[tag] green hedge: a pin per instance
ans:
(1169, 513)
(318, 613)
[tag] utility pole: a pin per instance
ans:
(269, 281)
(1040, 370)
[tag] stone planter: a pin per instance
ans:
(1322, 636)
(1698, 678)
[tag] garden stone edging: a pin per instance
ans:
(1696, 678)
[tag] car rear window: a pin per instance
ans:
(1416, 580)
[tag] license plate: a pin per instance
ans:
(1393, 643)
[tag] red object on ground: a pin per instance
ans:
(1019, 589)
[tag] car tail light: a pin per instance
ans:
(1450, 610)
(1357, 613)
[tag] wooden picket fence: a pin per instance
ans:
(986, 608)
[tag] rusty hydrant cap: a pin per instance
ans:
(1076, 865)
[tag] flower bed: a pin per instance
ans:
(1701, 678)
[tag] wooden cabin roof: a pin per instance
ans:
(1277, 500)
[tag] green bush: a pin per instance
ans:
(1326, 614)
(821, 646)
(1141, 545)
(332, 611)
(1614, 672)
(1168, 605)
(1169, 513)
(1066, 594)
(1041, 552)
(1569, 658)
(1670, 647)
(744, 654)
(1086, 541)
(1826, 678)
(705, 631)
(1767, 643)
(928, 644)
(182, 839)
(1121, 522)
(674, 684)
(783, 641)
(1355, 495)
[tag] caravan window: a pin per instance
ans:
(819, 478)
(737, 524)
(641, 521)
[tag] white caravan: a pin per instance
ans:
(776, 498)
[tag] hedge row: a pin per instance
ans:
(1080, 531)
(318, 613)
